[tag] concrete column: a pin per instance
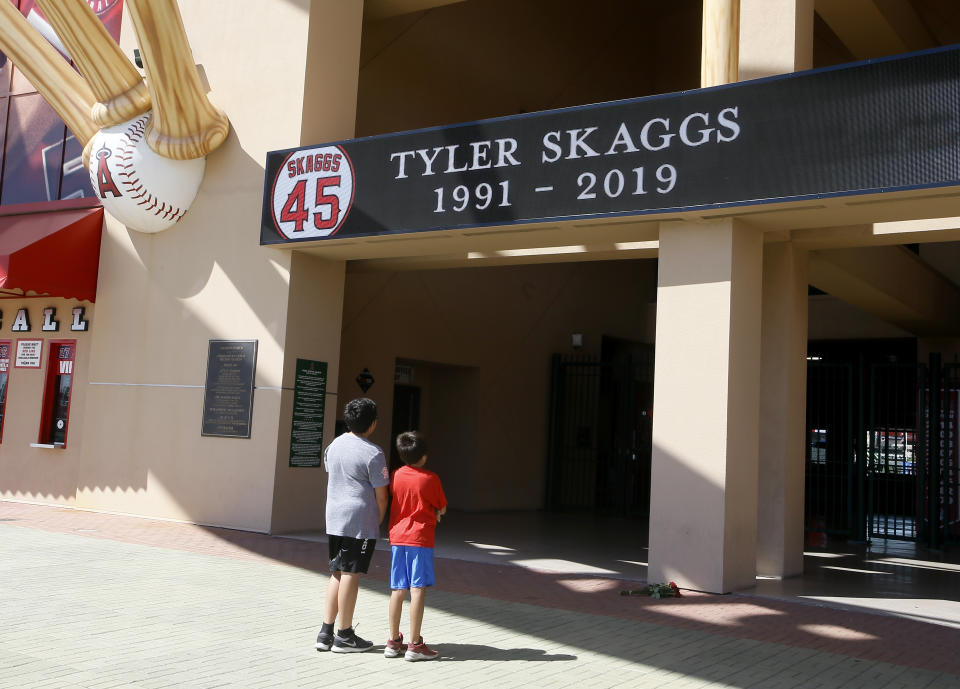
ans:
(719, 42)
(703, 507)
(776, 37)
(314, 318)
(783, 393)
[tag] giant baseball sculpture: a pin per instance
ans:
(145, 147)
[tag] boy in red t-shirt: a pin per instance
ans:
(418, 503)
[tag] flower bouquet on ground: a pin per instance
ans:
(670, 590)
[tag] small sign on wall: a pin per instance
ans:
(309, 402)
(28, 353)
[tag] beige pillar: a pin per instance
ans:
(314, 317)
(776, 37)
(719, 42)
(703, 506)
(783, 386)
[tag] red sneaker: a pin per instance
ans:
(394, 649)
(420, 651)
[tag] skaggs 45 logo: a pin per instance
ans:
(312, 192)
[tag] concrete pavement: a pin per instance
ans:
(99, 601)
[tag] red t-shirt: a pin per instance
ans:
(417, 495)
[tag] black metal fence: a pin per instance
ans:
(883, 451)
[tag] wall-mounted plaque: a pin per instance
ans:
(228, 393)
(309, 398)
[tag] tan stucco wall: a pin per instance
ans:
(35, 474)
(502, 325)
(162, 297)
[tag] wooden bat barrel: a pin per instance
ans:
(185, 124)
(116, 84)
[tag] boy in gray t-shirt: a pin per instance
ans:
(357, 499)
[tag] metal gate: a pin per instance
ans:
(907, 484)
(600, 438)
(893, 439)
(938, 497)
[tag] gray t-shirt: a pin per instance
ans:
(355, 467)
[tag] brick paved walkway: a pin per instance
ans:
(93, 600)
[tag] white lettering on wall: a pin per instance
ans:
(79, 323)
(49, 319)
(21, 324)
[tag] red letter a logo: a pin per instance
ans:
(104, 177)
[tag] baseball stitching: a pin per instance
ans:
(135, 189)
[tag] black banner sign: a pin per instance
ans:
(868, 127)
(228, 393)
(309, 403)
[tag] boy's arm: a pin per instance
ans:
(383, 500)
(441, 500)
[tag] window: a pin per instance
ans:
(56, 392)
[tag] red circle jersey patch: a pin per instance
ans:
(312, 193)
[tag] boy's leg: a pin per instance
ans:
(421, 578)
(347, 597)
(330, 604)
(396, 609)
(417, 601)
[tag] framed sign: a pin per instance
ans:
(228, 392)
(309, 401)
(869, 127)
(28, 353)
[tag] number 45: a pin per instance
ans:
(297, 211)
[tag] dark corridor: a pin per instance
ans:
(600, 431)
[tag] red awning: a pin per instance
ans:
(51, 248)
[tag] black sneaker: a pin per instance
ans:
(324, 641)
(347, 641)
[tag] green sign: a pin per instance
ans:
(309, 398)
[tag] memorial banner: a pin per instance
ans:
(867, 127)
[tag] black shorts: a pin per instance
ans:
(350, 555)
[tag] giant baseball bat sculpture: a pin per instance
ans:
(119, 89)
(53, 77)
(145, 165)
(185, 123)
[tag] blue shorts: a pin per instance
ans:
(411, 566)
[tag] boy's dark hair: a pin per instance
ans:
(411, 446)
(359, 415)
